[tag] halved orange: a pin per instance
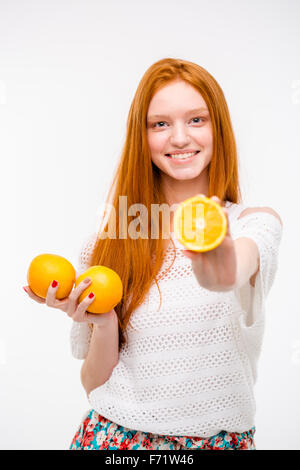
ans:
(200, 223)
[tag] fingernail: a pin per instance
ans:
(25, 289)
(87, 280)
(54, 283)
(91, 295)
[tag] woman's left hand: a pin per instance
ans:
(216, 270)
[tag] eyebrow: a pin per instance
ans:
(191, 111)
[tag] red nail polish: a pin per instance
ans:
(91, 295)
(54, 283)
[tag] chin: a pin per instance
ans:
(187, 174)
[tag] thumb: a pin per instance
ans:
(192, 255)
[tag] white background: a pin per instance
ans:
(68, 74)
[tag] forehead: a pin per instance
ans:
(176, 97)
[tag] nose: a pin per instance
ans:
(179, 135)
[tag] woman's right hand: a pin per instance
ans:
(71, 306)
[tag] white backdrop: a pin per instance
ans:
(68, 73)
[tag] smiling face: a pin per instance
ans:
(178, 122)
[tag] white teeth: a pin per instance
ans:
(183, 156)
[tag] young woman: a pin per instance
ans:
(173, 365)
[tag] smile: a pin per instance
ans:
(182, 156)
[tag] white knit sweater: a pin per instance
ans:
(189, 368)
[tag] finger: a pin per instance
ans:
(187, 253)
(222, 204)
(31, 294)
(76, 293)
(80, 312)
(218, 200)
(192, 255)
(51, 294)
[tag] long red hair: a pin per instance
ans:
(138, 261)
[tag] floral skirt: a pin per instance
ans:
(98, 433)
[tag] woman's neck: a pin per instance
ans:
(177, 191)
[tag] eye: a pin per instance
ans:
(198, 118)
(160, 122)
(157, 124)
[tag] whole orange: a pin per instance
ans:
(106, 285)
(44, 269)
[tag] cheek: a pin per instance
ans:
(208, 136)
(205, 137)
(157, 143)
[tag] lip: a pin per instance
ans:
(178, 152)
(186, 160)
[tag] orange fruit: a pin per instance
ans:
(44, 269)
(106, 285)
(200, 223)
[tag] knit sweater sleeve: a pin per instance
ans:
(81, 333)
(266, 231)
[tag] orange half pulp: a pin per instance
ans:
(200, 223)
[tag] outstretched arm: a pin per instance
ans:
(229, 266)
